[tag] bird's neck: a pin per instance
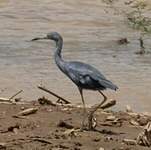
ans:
(59, 45)
(58, 57)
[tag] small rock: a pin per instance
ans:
(96, 139)
(15, 130)
(49, 110)
(101, 148)
(22, 108)
(63, 124)
(18, 99)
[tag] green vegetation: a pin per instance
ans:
(137, 18)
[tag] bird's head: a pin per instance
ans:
(53, 36)
(50, 36)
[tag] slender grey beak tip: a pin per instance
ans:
(38, 38)
(35, 39)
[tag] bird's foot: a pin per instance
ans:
(92, 122)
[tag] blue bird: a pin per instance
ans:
(83, 75)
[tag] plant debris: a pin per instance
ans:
(122, 41)
(144, 138)
(45, 101)
(56, 95)
(27, 111)
(130, 142)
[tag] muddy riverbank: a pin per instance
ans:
(90, 30)
(54, 127)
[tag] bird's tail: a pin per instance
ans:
(108, 84)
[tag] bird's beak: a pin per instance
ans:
(38, 38)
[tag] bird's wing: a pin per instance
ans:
(88, 74)
(84, 69)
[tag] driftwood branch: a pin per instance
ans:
(109, 104)
(5, 100)
(27, 111)
(15, 94)
(41, 140)
(9, 100)
(144, 138)
(52, 93)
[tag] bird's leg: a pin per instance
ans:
(84, 109)
(90, 117)
(105, 98)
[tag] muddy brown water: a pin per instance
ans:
(90, 30)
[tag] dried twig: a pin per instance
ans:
(109, 104)
(20, 117)
(9, 100)
(144, 138)
(59, 97)
(27, 111)
(2, 99)
(130, 142)
(42, 140)
(15, 94)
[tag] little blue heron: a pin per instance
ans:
(83, 75)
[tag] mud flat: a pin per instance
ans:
(43, 126)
